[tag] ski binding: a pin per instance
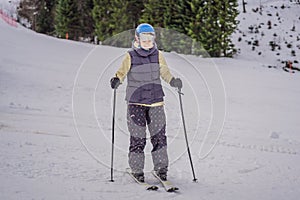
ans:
(145, 184)
(169, 187)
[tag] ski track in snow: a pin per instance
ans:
(42, 157)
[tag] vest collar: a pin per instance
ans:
(143, 52)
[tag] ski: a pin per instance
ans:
(146, 185)
(169, 187)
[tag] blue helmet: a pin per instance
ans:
(144, 28)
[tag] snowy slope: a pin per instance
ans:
(268, 21)
(55, 124)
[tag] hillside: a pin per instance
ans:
(55, 122)
(269, 33)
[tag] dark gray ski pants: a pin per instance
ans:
(138, 118)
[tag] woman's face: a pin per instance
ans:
(146, 40)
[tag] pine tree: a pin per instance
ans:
(44, 16)
(134, 11)
(175, 37)
(154, 13)
(168, 14)
(211, 35)
(102, 15)
(165, 17)
(174, 15)
(114, 17)
(212, 23)
(228, 24)
(67, 19)
(120, 17)
(61, 21)
(119, 36)
(86, 21)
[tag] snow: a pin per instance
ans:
(9, 7)
(282, 15)
(55, 122)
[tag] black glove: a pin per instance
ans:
(114, 82)
(176, 82)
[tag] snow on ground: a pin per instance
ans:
(55, 124)
(271, 21)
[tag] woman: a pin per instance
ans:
(143, 65)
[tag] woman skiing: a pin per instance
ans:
(143, 65)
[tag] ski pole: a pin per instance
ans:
(113, 137)
(184, 129)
